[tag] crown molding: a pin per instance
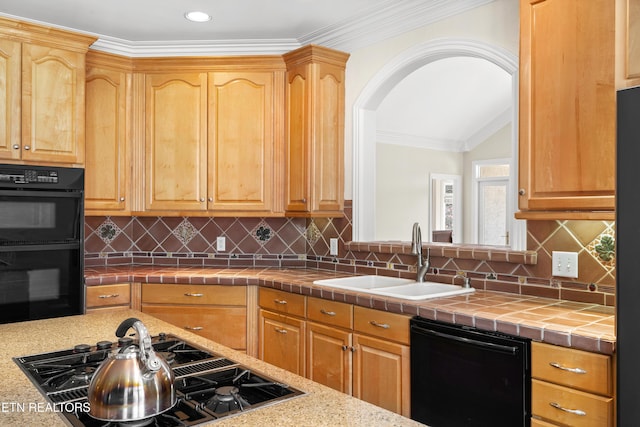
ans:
(418, 141)
(194, 48)
(493, 126)
(391, 19)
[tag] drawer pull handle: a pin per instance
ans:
(194, 328)
(379, 325)
(571, 411)
(190, 294)
(103, 296)
(564, 368)
(328, 313)
(280, 331)
(280, 301)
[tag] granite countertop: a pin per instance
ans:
(589, 327)
(320, 406)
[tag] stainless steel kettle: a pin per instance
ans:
(134, 382)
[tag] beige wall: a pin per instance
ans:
(402, 190)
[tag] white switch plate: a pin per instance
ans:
(221, 243)
(564, 264)
(333, 246)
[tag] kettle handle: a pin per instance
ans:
(125, 326)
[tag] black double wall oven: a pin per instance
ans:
(41, 242)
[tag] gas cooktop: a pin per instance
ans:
(208, 386)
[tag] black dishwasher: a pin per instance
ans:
(464, 376)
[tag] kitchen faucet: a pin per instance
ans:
(466, 281)
(416, 249)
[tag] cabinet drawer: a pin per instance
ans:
(330, 312)
(108, 295)
(283, 302)
(381, 324)
(153, 293)
(574, 368)
(225, 325)
(559, 404)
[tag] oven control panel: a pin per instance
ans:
(27, 176)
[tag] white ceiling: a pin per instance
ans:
(451, 104)
(158, 27)
(417, 107)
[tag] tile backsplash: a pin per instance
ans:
(300, 242)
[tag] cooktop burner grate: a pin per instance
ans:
(208, 386)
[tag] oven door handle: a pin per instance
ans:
(43, 193)
(512, 350)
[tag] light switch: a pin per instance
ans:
(564, 264)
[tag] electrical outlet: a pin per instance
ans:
(221, 243)
(333, 246)
(564, 264)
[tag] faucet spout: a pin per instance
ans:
(423, 264)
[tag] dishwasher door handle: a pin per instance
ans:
(512, 350)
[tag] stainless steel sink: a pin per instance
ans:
(395, 287)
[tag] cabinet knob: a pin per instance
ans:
(304, 200)
(522, 192)
(122, 199)
(345, 347)
(210, 199)
(202, 199)
(26, 147)
(16, 146)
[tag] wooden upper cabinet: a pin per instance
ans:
(10, 96)
(42, 83)
(242, 142)
(567, 108)
(315, 131)
(176, 141)
(107, 169)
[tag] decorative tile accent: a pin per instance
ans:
(185, 231)
(108, 231)
(313, 233)
(262, 232)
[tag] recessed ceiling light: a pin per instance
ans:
(197, 16)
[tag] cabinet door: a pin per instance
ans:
(53, 96)
(381, 373)
(176, 141)
(329, 356)
(106, 164)
(328, 146)
(567, 105)
(298, 149)
(282, 341)
(10, 144)
(241, 138)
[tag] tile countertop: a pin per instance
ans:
(589, 327)
(320, 406)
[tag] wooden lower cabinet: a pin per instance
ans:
(381, 373)
(571, 387)
(215, 312)
(329, 359)
(281, 341)
(108, 297)
(351, 349)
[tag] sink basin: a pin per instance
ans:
(395, 287)
(359, 283)
(425, 290)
